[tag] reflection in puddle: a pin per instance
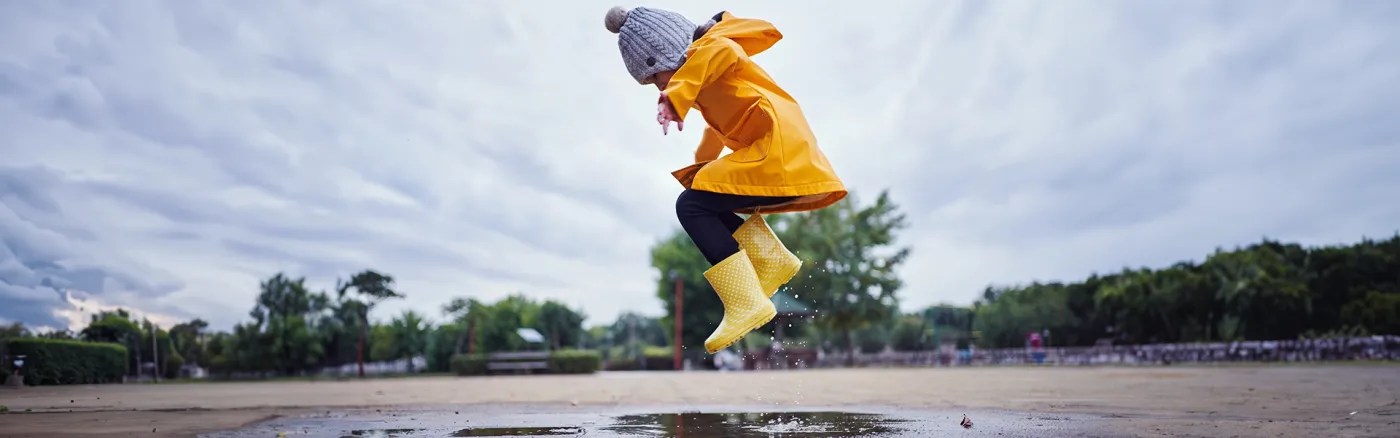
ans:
(477, 431)
(519, 431)
(755, 424)
(382, 433)
(819, 424)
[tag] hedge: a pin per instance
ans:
(469, 364)
(560, 362)
(574, 362)
(654, 358)
(65, 362)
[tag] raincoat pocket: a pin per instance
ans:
(754, 135)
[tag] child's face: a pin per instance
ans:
(660, 79)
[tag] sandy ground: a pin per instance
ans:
(1334, 401)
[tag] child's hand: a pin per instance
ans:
(665, 115)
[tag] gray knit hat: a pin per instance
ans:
(651, 40)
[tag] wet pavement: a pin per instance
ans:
(1265, 402)
(731, 421)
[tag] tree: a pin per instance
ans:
(215, 353)
(466, 312)
(165, 361)
(381, 343)
(14, 330)
(341, 330)
(560, 324)
(373, 288)
(909, 333)
(849, 259)
(442, 341)
(492, 327)
(188, 338)
(499, 321)
(1264, 291)
(8, 332)
(117, 327)
(702, 307)
(284, 315)
(410, 336)
(58, 334)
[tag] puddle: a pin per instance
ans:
(382, 433)
(520, 431)
(813, 424)
(755, 424)
(482, 431)
(675, 421)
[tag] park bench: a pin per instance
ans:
(526, 361)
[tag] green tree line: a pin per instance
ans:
(1265, 291)
(850, 251)
(295, 331)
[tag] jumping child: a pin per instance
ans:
(774, 165)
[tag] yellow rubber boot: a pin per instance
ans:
(773, 262)
(745, 307)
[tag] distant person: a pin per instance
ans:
(774, 165)
(727, 360)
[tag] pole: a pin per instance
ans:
(137, 354)
(636, 349)
(360, 345)
(677, 360)
(471, 337)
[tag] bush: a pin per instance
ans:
(469, 364)
(172, 366)
(560, 362)
(571, 361)
(908, 334)
(653, 358)
(65, 362)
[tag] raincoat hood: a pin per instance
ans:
(754, 36)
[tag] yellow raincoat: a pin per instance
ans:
(774, 151)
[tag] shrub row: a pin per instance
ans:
(560, 362)
(469, 364)
(574, 362)
(653, 358)
(65, 362)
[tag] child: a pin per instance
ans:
(774, 165)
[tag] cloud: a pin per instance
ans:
(166, 156)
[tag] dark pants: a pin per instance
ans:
(709, 219)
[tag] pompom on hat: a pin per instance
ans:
(651, 40)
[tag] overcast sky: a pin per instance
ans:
(166, 156)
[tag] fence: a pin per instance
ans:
(1306, 350)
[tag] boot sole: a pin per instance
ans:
(753, 323)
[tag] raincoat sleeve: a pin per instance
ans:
(710, 146)
(705, 63)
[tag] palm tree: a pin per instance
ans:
(410, 336)
(373, 287)
(466, 311)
